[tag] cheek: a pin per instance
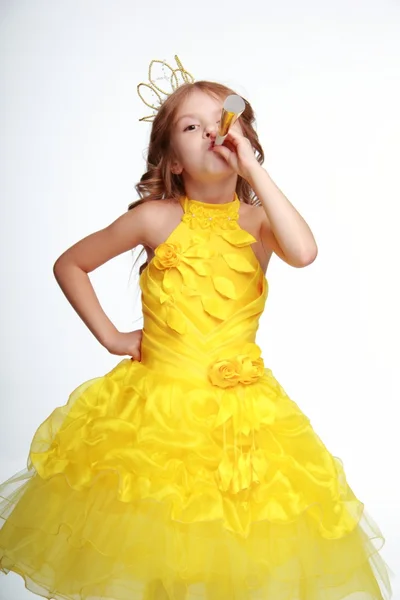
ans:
(182, 146)
(191, 148)
(188, 150)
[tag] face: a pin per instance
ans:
(196, 118)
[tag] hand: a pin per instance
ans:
(128, 343)
(238, 153)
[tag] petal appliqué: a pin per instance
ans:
(172, 281)
(253, 350)
(227, 408)
(175, 320)
(189, 278)
(238, 237)
(224, 286)
(200, 267)
(215, 307)
(224, 473)
(189, 291)
(199, 251)
(239, 263)
(163, 296)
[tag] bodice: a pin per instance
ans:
(203, 293)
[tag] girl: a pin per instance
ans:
(187, 472)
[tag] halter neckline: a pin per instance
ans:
(214, 205)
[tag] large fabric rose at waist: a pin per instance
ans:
(233, 367)
(226, 367)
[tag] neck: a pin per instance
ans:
(214, 193)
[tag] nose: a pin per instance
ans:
(211, 128)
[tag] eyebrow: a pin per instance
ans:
(192, 116)
(184, 117)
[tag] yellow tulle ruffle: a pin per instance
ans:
(190, 475)
(173, 495)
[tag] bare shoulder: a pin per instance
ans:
(253, 217)
(161, 208)
(158, 219)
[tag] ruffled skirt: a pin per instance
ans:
(153, 488)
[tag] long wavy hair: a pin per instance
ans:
(158, 182)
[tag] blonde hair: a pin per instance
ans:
(158, 182)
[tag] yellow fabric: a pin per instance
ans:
(190, 474)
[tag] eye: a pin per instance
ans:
(187, 128)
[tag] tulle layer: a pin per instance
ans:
(146, 488)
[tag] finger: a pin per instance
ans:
(228, 144)
(223, 151)
(135, 355)
(234, 137)
(237, 139)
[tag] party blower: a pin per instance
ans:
(233, 107)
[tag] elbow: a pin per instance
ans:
(309, 257)
(60, 266)
(65, 266)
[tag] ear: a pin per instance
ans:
(176, 168)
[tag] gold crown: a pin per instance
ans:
(171, 79)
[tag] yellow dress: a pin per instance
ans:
(190, 475)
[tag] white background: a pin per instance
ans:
(323, 78)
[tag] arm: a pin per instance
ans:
(282, 228)
(72, 267)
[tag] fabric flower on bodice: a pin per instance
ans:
(245, 367)
(188, 259)
(181, 264)
(167, 255)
